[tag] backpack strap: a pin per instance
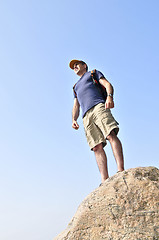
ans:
(100, 87)
(93, 75)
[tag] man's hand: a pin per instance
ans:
(109, 102)
(75, 125)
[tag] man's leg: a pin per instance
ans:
(117, 150)
(101, 161)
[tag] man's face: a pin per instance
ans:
(79, 68)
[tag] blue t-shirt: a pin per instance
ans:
(88, 94)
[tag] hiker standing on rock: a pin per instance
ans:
(99, 124)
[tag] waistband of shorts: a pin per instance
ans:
(92, 109)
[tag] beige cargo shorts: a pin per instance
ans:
(98, 123)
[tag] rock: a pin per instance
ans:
(125, 207)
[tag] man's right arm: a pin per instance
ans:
(75, 114)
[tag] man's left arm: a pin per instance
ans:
(109, 89)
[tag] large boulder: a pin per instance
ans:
(125, 207)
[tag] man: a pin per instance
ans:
(98, 121)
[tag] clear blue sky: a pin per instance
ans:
(46, 167)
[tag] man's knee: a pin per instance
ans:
(98, 147)
(111, 136)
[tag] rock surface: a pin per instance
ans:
(125, 207)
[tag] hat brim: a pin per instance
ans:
(71, 64)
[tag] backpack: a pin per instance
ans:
(100, 87)
(96, 83)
